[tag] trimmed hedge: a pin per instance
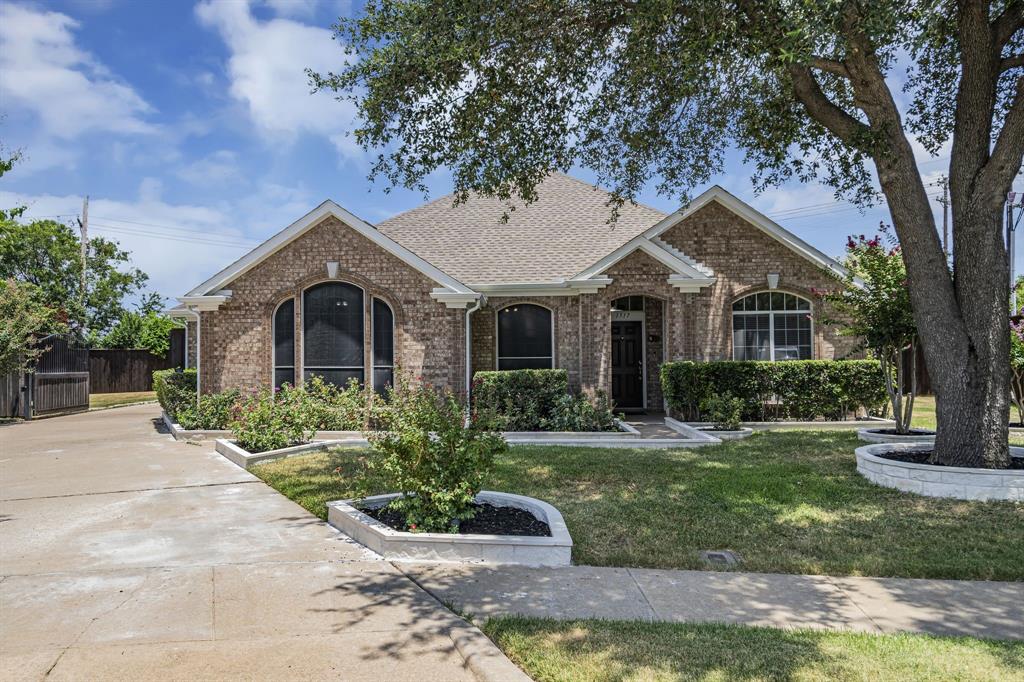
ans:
(519, 399)
(797, 389)
(175, 390)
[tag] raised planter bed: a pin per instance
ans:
(539, 437)
(880, 435)
(245, 459)
(395, 545)
(961, 483)
(872, 422)
(202, 434)
(721, 434)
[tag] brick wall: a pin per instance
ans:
(237, 344)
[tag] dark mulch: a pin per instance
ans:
(488, 520)
(894, 432)
(922, 457)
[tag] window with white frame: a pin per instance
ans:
(525, 337)
(332, 333)
(771, 325)
(383, 346)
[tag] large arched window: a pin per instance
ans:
(332, 332)
(284, 343)
(525, 337)
(383, 345)
(771, 325)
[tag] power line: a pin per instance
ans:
(173, 237)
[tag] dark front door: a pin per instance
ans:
(627, 365)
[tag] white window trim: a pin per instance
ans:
(771, 321)
(373, 341)
(273, 344)
(497, 341)
(300, 371)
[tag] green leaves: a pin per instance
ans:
(24, 318)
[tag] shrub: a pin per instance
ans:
(213, 412)
(269, 420)
(175, 390)
(337, 409)
(582, 413)
(521, 399)
(723, 411)
(428, 453)
(798, 389)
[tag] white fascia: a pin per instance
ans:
(204, 303)
(688, 275)
(565, 287)
(455, 299)
(755, 218)
(300, 226)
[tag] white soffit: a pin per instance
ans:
(306, 222)
(755, 218)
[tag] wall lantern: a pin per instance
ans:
(332, 269)
(773, 281)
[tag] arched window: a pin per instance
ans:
(332, 332)
(771, 325)
(284, 343)
(383, 345)
(525, 337)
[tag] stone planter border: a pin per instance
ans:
(396, 545)
(874, 422)
(201, 434)
(870, 436)
(961, 483)
(742, 433)
(245, 459)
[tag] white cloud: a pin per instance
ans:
(266, 70)
(293, 8)
(66, 88)
(218, 168)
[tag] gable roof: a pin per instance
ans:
(560, 234)
(752, 216)
(306, 222)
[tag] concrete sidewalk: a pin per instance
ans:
(127, 555)
(942, 607)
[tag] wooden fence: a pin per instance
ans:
(58, 384)
(124, 371)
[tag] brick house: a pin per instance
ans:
(443, 291)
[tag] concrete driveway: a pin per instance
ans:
(127, 555)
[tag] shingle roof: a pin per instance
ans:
(560, 234)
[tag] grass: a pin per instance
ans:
(97, 400)
(604, 651)
(787, 502)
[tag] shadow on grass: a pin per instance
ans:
(599, 650)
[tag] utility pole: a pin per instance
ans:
(944, 181)
(83, 225)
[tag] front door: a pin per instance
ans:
(627, 365)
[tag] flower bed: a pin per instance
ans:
(554, 549)
(962, 483)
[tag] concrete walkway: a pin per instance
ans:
(944, 607)
(127, 555)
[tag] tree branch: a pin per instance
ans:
(1009, 22)
(822, 109)
(1011, 62)
(831, 65)
(1008, 153)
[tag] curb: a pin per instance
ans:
(114, 407)
(482, 656)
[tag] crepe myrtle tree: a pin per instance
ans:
(1017, 351)
(872, 303)
(503, 93)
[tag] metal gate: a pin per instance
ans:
(59, 384)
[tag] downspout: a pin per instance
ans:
(469, 352)
(199, 349)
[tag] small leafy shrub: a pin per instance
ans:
(723, 411)
(175, 390)
(796, 389)
(428, 452)
(269, 420)
(582, 413)
(337, 409)
(520, 399)
(213, 412)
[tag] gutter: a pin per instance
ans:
(469, 350)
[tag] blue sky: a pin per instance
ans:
(191, 127)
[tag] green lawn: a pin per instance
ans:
(787, 502)
(605, 651)
(97, 400)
